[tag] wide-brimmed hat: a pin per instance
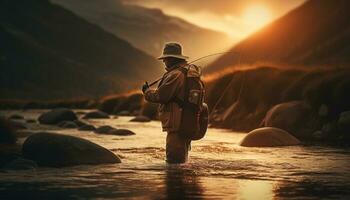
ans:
(174, 50)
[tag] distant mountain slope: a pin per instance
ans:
(316, 33)
(148, 29)
(47, 52)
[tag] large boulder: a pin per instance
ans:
(56, 116)
(96, 115)
(294, 117)
(55, 150)
(18, 125)
(87, 127)
(81, 123)
(121, 132)
(109, 130)
(268, 137)
(104, 129)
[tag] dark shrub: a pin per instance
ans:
(131, 103)
(108, 104)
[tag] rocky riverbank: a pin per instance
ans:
(37, 142)
(311, 104)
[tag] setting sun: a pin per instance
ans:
(257, 16)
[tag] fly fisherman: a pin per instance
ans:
(170, 94)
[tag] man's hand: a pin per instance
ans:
(145, 87)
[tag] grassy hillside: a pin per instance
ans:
(317, 33)
(249, 94)
(47, 52)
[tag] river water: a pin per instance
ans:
(218, 168)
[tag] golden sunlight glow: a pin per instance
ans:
(257, 16)
(236, 24)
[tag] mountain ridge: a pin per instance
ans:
(148, 28)
(315, 34)
(48, 52)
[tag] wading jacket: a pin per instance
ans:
(171, 85)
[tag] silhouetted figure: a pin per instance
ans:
(170, 87)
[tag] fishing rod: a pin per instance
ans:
(198, 59)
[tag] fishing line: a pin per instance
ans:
(227, 87)
(196, 60)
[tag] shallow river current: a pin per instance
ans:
(218, 169)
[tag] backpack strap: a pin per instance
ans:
(183, 70)
(176, 99)
(184, 103)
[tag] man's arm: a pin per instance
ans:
(167, 90)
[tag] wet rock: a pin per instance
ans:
(56, 116)
(140, 118)
(31, 121)
(20, 164)
(344, 121)
(55, 150)
(121, 132)
(124, 113)
(18, 125)
(294, 117)
(268, 137)
(87, 128)
(96, 115)
(80, 123)
(108, 130)
(67, 124)
(104, 129)
(16, 116)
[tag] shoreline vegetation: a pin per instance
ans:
(311, 104)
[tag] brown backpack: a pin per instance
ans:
(194, 116)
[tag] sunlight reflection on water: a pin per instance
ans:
(218, 169)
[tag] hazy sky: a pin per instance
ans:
(237, 18)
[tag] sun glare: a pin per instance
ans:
(257, 16)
